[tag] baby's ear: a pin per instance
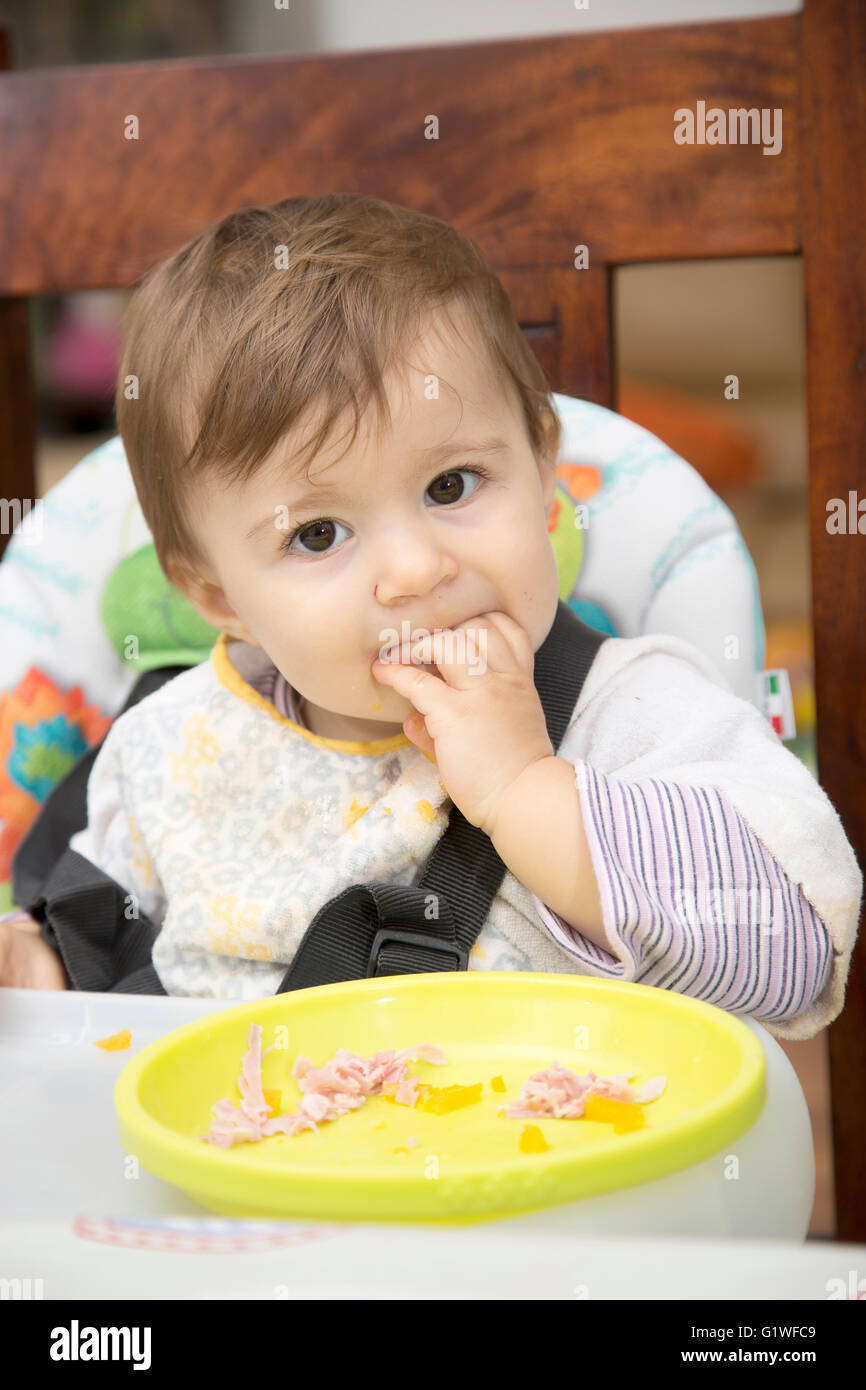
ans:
(548, 481)
(547, 456)
(207, 597)
(547, 470)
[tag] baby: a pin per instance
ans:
(345, 451)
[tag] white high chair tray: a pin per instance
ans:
(70, 1217)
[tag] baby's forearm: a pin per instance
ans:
(539, 836)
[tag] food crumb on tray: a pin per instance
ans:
(116, 1043)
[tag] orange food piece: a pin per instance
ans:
(497, 1084)
(390, 1089)
(623, 1115)
(532, 1141)
(273, 1099)
(442, 1102)
(117, 1042)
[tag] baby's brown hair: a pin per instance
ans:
(276, 309)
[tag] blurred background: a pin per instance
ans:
(680, 328)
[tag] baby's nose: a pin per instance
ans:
(414, 571)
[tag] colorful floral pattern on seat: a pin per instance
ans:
(43, 732)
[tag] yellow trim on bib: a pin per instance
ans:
(229, 676)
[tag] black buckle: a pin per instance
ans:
(416, 938)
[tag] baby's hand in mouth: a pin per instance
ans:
(416, 651)
(476, 710)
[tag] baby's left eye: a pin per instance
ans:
(450, 487)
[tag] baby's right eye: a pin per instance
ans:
(320, 533)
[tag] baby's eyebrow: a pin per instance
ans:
(426, 459)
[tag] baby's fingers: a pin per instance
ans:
(425, 691)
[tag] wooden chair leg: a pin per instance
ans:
(833, 210)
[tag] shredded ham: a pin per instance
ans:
(560, 1094)
(344, 1083)
(341, 1085)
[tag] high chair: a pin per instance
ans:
(588, 160)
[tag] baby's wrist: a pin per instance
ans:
(520, 792)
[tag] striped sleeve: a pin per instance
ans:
(693, 901)
(273, 685)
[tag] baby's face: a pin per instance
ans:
(325, 574)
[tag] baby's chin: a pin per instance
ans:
(367, 725)
(387, 707)
(392, 711)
